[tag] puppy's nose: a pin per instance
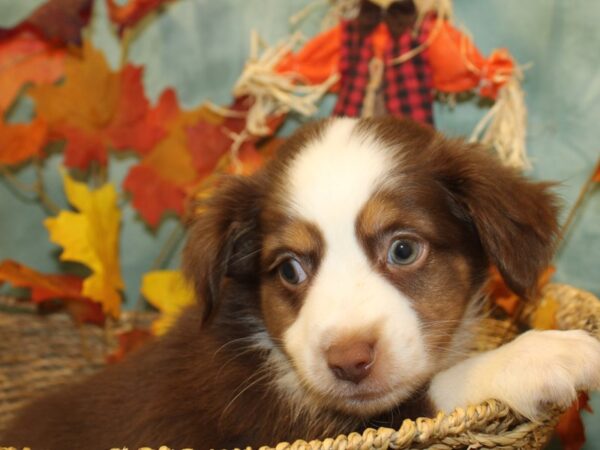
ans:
(351, 361)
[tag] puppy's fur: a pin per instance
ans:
(309, 324)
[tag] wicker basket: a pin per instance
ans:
(37, 353)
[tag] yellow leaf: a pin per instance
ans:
(90, 236)
(544, 317)
(168, 291)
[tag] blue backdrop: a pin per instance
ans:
(199, 47)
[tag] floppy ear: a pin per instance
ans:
(516, 219)
(223, 240)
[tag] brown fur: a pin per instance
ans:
(204, 385)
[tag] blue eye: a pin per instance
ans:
(291, 271)
(403, 252)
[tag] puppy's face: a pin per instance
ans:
(366, 272)
(372, 241)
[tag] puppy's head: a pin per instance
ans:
(366, 242)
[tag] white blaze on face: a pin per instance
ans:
(329, 183)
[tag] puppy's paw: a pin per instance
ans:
(544, 367)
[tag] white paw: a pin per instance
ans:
(544, 367)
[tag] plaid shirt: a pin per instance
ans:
(407, 87)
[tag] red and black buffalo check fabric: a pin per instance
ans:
(407, 87)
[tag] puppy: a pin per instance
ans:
(335, 290)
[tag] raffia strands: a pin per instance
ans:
(275, 93)
(504, 127)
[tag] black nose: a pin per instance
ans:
(351, 361)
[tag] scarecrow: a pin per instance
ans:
(392, 57)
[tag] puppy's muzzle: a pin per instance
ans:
(351, 360)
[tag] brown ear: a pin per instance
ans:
(223, 240)
(516, 219)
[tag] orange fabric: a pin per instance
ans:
(381, 36)
(318, 59)
(456, 63)
(458, 66)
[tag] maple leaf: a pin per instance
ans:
(132, 11)
(134, 125)
(207, 143)
(58, 21)
(151, 195)
(19, 142)
(45, 287)
(504, 297)
(25, 58)
(161, 180)
(570, 429)
(170, 293)
(128, 342)
(97, 109)
(90, 237)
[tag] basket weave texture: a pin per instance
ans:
(39, 353)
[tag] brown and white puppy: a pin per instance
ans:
(336, 288)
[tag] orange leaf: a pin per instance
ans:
(46, 287)
(501, 294)
(19, 142)
(128, 342)
(24, 58)
(570, 429)
(57, 21)
(596, 177)
(504, 297)
(97, 109)
(132, 11)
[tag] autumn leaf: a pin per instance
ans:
(596, 176)
(97, 109)
(90, 237)
(152, 195)
(161, 180)
(207, 143)
(252, 157)
(544, 316)
(169, 292)
(133, 124)
(504, 297)
(57, 21)
(570, 429)
(25, 58)
(19, 142)
(129, 341)
(132, 11)
(45, 287)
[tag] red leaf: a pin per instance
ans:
(82, 147)
(57, 21)
(19, 142)
(207, 143)
(134, 125)
(570, 429)
(152, 195)
(44, 287)
(132, 11)
(166, 109)
(128, 342)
